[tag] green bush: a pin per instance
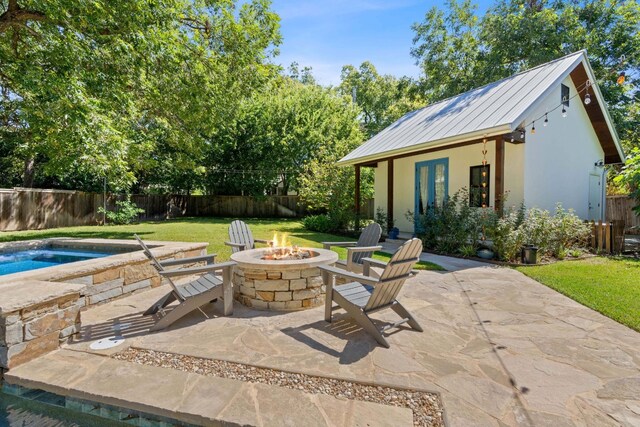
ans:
(320, 223)
(125, 213)
(454, 227)
(554, 235)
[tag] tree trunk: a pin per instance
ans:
(29, 172)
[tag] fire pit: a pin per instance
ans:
(281, 277)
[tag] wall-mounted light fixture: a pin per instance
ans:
(599, 163)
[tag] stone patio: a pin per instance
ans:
(499, 347)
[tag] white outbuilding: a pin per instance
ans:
(545, 136)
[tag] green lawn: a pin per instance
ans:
(211, 230)
(608, 285)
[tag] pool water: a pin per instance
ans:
(16, 262)
(21, 412)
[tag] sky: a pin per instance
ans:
(327, 34)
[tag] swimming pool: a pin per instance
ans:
(26, 260)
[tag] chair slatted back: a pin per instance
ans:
(239, 233)
(370, 236)
(395, 274)
(156, 264)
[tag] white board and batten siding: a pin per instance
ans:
(560, 159)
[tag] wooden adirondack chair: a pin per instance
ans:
(241, 238)
(366, 294)
(193, 295)
(357, 251)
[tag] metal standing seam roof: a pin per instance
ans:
(501, 105)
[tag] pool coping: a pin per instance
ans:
(41, 309)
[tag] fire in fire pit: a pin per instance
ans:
(282, 249)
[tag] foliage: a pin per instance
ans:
(383, 220)
(457, 51)
(607, 285)
(630, 176)
(554, 235)
(382, 98)
(124, 89)
(454, 225)
(321, 223)
(278, 132)
(126, 212)
(201, 230)
(508, 237)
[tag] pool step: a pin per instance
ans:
(193, 398)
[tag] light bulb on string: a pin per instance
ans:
(621, 78)
(533, 128)
(587, 99)
(564, 111)
(546, 120)
(522, 133)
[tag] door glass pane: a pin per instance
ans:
(440, 188)
(423, 189)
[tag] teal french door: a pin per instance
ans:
(432, 185)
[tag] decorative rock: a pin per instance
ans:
(274, 275)
(256, 275)
(305, 294)
(292, 305)
(106, 276)
(314, 282)
(245, 290)
(283, 296)
(265, 296)
(297, 284)
(310, 272)
(11, 334)
(272, 285)
(291, 274)
(137, 272)
(42, 326)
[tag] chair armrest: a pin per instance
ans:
(367, 263)
(334, 271)
(195, 270)
(210, 258)
(241, 246)
(265, 241)
(327, 245)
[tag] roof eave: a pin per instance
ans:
(484, 133)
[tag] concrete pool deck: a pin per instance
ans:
(501, 349)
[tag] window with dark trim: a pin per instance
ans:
(564, 94)
(475, 185)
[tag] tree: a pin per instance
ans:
(88, 85)
(382, 98)
(277, 133)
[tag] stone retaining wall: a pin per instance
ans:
(38, 326)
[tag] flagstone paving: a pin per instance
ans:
(502, 349)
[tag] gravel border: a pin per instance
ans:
(427, 407)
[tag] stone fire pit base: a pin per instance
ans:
(288, 290)
(280, 285)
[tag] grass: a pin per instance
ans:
(610, 286)
(211, 230)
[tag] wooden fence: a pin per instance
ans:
(32, 209)
(607, 237)
(621, 208)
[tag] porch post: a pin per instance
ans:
(357, 193)
(499, 175)
(389, 195)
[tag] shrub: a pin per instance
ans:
(454, 225)
(125, 213)
(507, 237)
(382, 219)
(568, 232)
(320, 223)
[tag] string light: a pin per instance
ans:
(522, 133)
(546, 120)
(533, 128)
(564, 111)
(621, 77)
(587, 97)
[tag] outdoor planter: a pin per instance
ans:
(529, 254)
(485, 254)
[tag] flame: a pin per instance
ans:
(282, 242)
(280, 247)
